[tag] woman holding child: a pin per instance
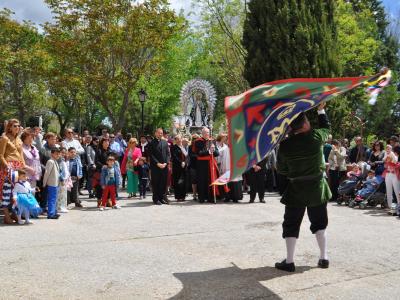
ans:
(11, 160)
(101, 156)
(32, 159)
(337, 167)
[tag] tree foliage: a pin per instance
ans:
(286, 39)
(23, 89)
(110, 45)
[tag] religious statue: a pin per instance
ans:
(198, 98)
(199, 110)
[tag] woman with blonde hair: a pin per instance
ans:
(179, 157)
(129, 162)
(11, 160)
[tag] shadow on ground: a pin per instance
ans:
(230, 283)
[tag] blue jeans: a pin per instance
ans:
(52, 192)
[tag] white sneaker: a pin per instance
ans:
(101, 208)
(29, 222)
(141, 197)
(116, 207)
(20, 222)
(63, 210)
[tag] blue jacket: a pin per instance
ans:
(77, 162)
(104, 173)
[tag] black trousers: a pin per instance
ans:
(335, 177)
(159, 183)
(179, 182)
(142, 186)
(204, 190)
(257, 189)
(256, 182)
(293, 217)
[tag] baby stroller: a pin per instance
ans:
(375, 198)
(348, 188)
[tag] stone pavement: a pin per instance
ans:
(193, 251)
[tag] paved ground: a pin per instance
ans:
(192, 251)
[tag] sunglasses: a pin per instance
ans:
(16, 126)
(112, 137)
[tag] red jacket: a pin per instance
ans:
(136, 153)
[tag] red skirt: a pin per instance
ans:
(4, 173)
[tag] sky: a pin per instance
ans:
(38, 12)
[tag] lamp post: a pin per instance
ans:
(142, 98)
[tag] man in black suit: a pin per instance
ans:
(159, 158)
(256, 180)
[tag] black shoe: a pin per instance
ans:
(158, 203)
(285, 267)
(323, 263)
(262, 201)
(91, 196)
(251, 201)
(227, 200)
(164, 202)
(55, 217)
(78, 205)
(201, 201)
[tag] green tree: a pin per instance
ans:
(222, 29)
(364, 45)
(111, 45)
(23, 88)
(286, 39)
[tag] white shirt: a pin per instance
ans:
(223, 159)
(22, 187)
(68, 143)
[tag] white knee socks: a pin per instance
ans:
(322, 243)
(290, 245)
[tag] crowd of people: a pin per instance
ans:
(364, 170)
(45, 174)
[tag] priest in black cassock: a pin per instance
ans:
(205, 151)
(159, 158)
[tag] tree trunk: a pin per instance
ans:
(122, 113)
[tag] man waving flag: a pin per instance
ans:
(258, 119)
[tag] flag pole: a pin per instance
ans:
(213, 170)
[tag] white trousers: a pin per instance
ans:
(62, 197)
(392, 184)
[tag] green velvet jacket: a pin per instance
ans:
(302, 155)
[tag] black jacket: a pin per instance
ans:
(159, 152)
(101, 158)
(143, 171)
(354, 152)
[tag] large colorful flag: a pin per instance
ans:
(258, 119)
(375, 87)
